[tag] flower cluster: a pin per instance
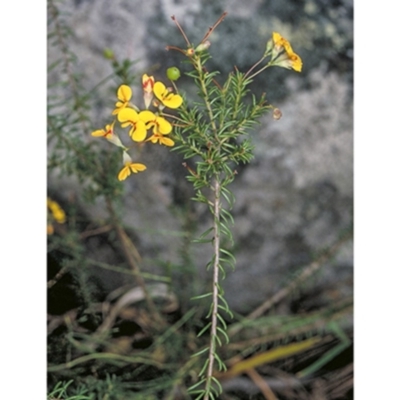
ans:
(54, 214)
(282, 54)
(141, 122)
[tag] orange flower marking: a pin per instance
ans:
(147, 84)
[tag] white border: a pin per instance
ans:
(23, 195)
(377, 205)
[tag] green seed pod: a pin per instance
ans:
(173, 73)
(108, 53)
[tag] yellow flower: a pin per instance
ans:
(56, 211)
(295, 62)
(288, 59)
(108, 133)
(124, 94)
(129, 117)
(160, 138)
(56, 214)
(129, 167)
(160, 127)
(168, 98)
(147, 84)
(279, 41)
(159, 124)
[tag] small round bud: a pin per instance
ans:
(109, 54)
(277, 113)
(173, 73)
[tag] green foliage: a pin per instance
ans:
(60, 391)
(166, 354)
(71, 153)
(214, 130)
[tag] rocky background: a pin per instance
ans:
(296, 197)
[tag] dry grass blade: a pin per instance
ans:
(262, 384)
(307, 272)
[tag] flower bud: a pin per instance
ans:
(203, 46)
(109, 54)
(268, 47)
(173, 73)
(277, 113)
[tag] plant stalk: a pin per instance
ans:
(215, 289)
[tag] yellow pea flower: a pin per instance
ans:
(160, 138)
(129, 117)
(166, 97)
(159, 124)
(280, 41)
(124, 94)
(147, 84)
(129, 167)
(56, 213)
(108, 133)
(288, 59)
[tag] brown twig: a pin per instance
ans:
(211, 28)
(261, 383)
(57, 277)
(182, 31)
(96, 231)
(133, 258)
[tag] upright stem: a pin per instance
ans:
(215, 290)
(205, 93)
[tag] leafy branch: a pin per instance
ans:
(214, 132)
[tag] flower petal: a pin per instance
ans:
(159, 89)
(124, 173)
(98, 133)
(138, 134)
(297, 63)
(166, 141)
(137, 167)
(147, 83)
(164, 126)
(147, 116)
(173, 100)
(124, 93)
(128, 114)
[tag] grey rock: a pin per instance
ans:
(295, 198)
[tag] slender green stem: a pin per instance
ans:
(206, 95)
(260, 70)
(254, 66)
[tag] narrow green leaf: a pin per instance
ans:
(200, 352)
(201, 296)
(224, 334)
(204, 329)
